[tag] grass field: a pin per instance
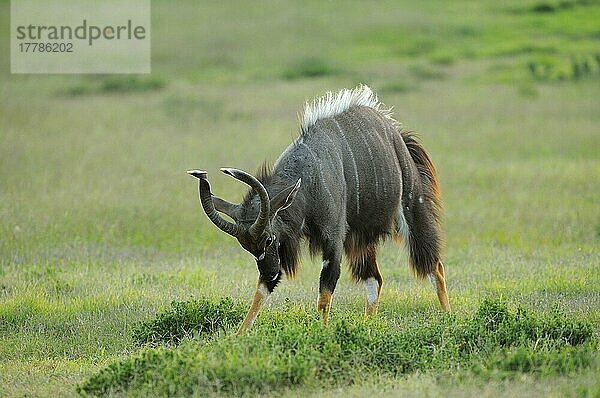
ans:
(100, 227)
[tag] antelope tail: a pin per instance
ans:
(424, 218)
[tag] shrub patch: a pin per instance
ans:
(292, 348)
(188, 318)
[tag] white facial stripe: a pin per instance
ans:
(371, 287)
(275, 277)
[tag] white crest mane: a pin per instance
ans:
(332, 104)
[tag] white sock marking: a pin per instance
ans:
(371, 287)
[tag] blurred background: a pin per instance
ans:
(101, 158)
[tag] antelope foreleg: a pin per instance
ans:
(324, 305)
(330, 273)
(260, 296)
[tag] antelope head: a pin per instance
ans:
(253, 227)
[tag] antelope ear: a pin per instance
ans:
(284, 199)
(225, 207)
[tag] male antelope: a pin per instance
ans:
(351, 179)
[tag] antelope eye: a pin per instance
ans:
(269, 241)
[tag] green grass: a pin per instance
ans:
(100, 227)
(188, 318)
(293, 348)
(310, 67)
(113, 84)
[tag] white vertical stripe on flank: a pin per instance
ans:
(317, 161)
(357, 182)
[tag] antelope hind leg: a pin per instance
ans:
(438, 280)
(372, 290)
(260, 296)
(363, 265)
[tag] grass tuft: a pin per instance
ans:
(114, 85)
(397, 86)
(131, 84)
(551, 68)
(292, 348)
(550, 7)
(425, 72)
(188, 318)
(310, 67)
(543, 7)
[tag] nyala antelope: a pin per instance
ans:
(351, 179)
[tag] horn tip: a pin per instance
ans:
(228, 171)
(200, 174)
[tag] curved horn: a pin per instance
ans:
(265, 206)
(231, 209)
(209, 207)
